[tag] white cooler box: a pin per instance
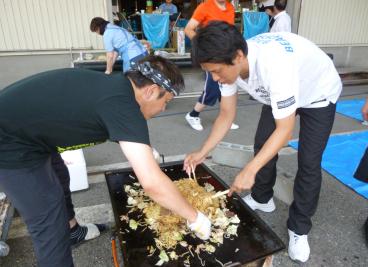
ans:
(77, 169)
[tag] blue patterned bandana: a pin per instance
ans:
(155, 76)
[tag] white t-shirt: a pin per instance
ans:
(282, 23)
(287, 72)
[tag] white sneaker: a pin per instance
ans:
(298, 247)
(194, 122)
(234, 126)
(254, 205)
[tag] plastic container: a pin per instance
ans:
(180, 41)
(149, 7)
(77, 169)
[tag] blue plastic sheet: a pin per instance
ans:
(351, 108)
(156, 29)
(254, 23)
(342, 157)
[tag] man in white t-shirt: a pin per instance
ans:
(290, 76)
(282, 21)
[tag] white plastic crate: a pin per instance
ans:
(77, 169)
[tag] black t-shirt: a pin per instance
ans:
(63, 110)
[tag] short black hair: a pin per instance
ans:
(98, 23)
(166, 67)
(218, 42)
(280, 4)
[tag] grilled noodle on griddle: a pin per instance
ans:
(170, 228)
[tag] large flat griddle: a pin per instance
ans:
(255, 239)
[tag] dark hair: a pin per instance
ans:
(98, 23)
(218, 42)
(280, 4)
(166, 67)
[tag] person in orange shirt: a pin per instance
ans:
(208, 11)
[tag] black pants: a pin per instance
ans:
(315, 128)
(361, 172)
(63, 174)
(37, 195)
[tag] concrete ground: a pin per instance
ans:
(336, 238)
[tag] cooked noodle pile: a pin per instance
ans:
(170, 228)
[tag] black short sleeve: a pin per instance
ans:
(123, 120)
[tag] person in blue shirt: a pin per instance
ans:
(169, 7)
(118, 42)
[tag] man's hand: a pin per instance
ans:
(243, 181)
(201, 226)
(192, 160)
(365, 110)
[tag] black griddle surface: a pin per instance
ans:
(255, 239)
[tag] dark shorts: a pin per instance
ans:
(211, 92)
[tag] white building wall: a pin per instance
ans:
(38, 25)
(334, 22)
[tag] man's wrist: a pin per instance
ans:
(252, 167)
(203, 152)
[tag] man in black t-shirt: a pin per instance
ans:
(68, 109)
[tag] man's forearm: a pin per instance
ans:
(219, 130)
(270, 149)
(222, 123)
(154, 182)
(190, 33)
(190, 29)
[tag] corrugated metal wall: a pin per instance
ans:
(27, 25)
(335, 22)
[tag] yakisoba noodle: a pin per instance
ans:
(170, 228)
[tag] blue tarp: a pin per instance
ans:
(156, 29)
(342, 157)
(254, 23)
(351, 108)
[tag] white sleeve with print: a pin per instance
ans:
(279, 74)
(228, 89)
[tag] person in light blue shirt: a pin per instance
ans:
(118, 41)
(169, 7)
